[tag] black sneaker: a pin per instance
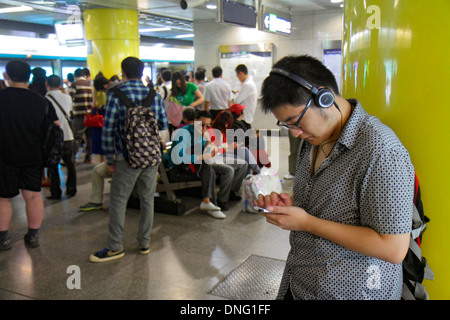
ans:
(5, 245)
(106, 255)
(143, 250)
(224, 206)
(31, 241)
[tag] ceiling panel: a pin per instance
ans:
(153, 13)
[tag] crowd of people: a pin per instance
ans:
(209, 109)
(352, 202)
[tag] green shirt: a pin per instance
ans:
(189, 97)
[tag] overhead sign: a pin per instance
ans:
(275, 21)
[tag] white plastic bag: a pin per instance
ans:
(264, 183)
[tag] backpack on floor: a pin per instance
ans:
(141, 132)
(415, 267)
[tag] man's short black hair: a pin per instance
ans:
(217, 72)
(204, 114)
(54, 81)
(18, 71)
(133, 68)
(100, 81)
(87, 72)
(78, 73)
(241, 68)
(199, 75)
(278, 90)
(166, 75)
(189, 113)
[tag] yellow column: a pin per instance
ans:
(396, 62)
(112, 35)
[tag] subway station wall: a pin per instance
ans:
(396, 63)
(310, 32)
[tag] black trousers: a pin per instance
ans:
(204, 172)
(55, 181)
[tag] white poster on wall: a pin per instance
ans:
(332, 59)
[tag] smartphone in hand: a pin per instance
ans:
(259, 209)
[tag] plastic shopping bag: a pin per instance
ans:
(264, 183)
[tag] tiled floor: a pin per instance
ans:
(189, 255)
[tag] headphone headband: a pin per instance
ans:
(323, 97)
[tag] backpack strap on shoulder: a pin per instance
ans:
(122, 97)
(148, 101)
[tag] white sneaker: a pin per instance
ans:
(209, 206)
(217, 214)
(288, 177)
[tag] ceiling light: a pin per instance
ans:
(16, 9)
(211, 6)
(336, 1)
(155, 29)
(184, 36)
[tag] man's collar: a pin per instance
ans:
(350, 132)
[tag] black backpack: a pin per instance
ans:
(141, 132)
(53, 143)
(415, 267)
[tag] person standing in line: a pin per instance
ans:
(24, 119)
(201, 85)
(247, 94)
(124, 177)
(166, 84)
(218, 93)
(101, 171)
(81, 93)
(62, 103)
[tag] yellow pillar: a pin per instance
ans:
(112, 35)
(396, 62)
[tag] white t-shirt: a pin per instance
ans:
(162, 92)
(247, 96)
(66, 103)
(218, 93)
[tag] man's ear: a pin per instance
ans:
(6, 76)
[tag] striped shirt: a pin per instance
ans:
(113, 132)
(81, 92)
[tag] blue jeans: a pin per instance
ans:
(124, 179)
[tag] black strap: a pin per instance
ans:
(147, 102)
(62, 110)
(165, 92)
(59, 106)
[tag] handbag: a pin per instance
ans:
(174, 111)
(93, 120)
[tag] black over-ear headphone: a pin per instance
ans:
(323, 98)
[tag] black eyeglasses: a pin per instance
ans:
(295, 126)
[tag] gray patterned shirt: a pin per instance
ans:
(367, 181)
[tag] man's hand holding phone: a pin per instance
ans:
(274, 199)
(279, 209)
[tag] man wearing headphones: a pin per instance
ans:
(351, 210)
